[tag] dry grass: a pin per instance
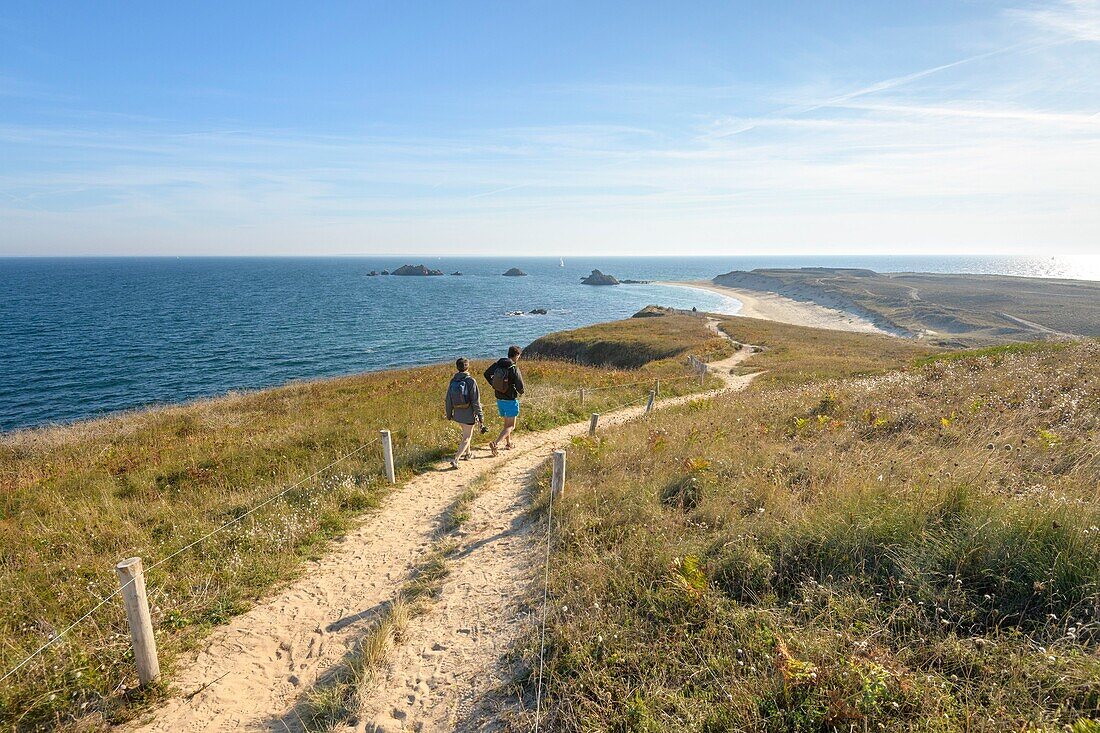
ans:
(913, 551)
(949, 309)
(633, 343)
(74, 500)
(793, 354)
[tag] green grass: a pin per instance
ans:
(917, 550)
(75, 500)
(993, 353)
(632, 343)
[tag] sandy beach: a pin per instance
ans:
(775, 307)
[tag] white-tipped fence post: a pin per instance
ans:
(592, 423)
(582, 395)
(387, 456)
(557, 480)
(652, 399)
(137, 614)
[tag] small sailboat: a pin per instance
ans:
(561, 262)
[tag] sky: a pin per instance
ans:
(513, 128)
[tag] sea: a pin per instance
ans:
(85, 337)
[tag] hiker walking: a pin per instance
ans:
(507, 384)
(464, 407)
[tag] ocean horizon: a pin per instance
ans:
(85, 337)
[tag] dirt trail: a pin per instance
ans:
(252, 672)
(447, 671)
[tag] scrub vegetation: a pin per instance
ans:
(917, 550)
(793, 354)
(76, 499)
(947, 309)
(634, 343)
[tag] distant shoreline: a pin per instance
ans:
(775, 307)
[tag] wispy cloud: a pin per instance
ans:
(988, 149)
(1072, 19)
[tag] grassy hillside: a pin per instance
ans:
(913, 551)
(946, 308)
(75, 500)
(632, 343)
(798, 354)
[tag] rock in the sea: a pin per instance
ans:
(456, 272)
(416, 270)
(514, 313)
(515, 272)
(598, 278)
(385, 272)
(538, 312)
(634, 282)
(372, 273)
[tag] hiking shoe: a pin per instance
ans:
(454, 463)
(493, 447)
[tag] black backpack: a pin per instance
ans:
(501, 380)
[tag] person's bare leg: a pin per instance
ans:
(463, 443)
(506, 432)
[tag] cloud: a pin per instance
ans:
(992, 149)
(1077, 20)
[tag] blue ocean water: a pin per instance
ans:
(82, 337)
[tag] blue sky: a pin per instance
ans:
(547, 128)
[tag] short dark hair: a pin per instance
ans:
(514, 351)
(462, 363)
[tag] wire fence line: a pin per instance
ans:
(179, 551)
(546, 569)
(545, 599)
(56, 638)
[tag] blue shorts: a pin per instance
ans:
(508, 408)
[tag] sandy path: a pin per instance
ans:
(447, 671)
(252, 672)
(775, 307)
(256, 666)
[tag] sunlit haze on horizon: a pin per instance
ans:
(565, 128)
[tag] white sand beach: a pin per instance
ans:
(775, 307)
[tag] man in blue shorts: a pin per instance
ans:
(507, 384)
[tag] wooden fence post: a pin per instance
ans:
(137, 614)
(387, 456)
(652, 399)
(582, 395)
(657, 387)
(557, 481)
(702, 374)
(593, 423)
